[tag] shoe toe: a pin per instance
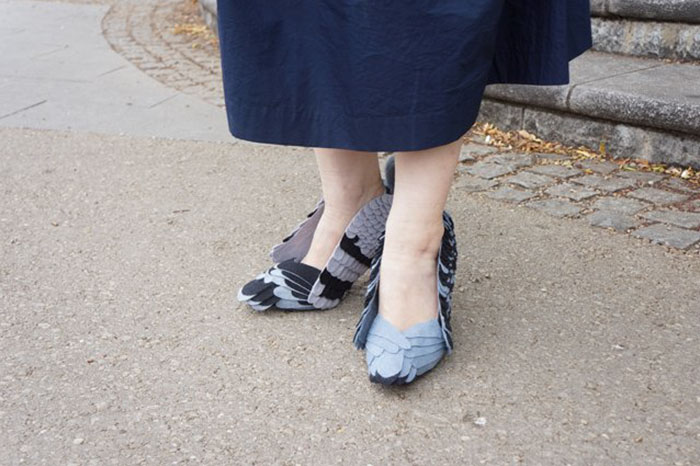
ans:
(285, 285)
(395, 357)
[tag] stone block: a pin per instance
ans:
(612, 219)
(474, 184)
(658, 196)
(669, 235)
(604, 168)
(572, 191)
(529, 180)
(647, 38)
(513, 159)
(557, 171)
(471, 150)
(489, 170)
(506, 193)
(642, 177)
(622, 205)
(555, 207)
(638, 97)
(609, 185)
(551, 157)
(674, 217)
(622, 139)
(681, 185)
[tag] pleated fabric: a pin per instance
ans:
(385, 75)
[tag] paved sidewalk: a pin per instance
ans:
(57, 71)
(122, 341)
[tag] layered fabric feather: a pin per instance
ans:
(285, 285)
(292, 285)
(395, 357)
(297, 242)
(353, 254)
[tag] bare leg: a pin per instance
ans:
(349, 179)
(407, 288)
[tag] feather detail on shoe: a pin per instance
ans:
(395, 357)
(353, 254)
(281, 285)
(298, 241)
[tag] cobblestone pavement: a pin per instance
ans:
(649, 206)
(143, 32)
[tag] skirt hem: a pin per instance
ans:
(286, 125)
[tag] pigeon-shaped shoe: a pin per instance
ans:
(397, 357)
(293, 285)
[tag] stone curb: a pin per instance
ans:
(621, 140)
(642, 108)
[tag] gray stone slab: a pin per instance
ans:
(665, 96)
(627, 128)
(622, 205)
(674, 217)
(506, 193)
(653, 39)
(622, 139)
(649, 178)
(557, 171)
(669, 235)
(489, 170)
(470, 151)
(612, 219)
(572, 191)
(609, 185)
(478, 139)
(465, 157)
(695, 205)
(529, 180)
(551, 157)
(473, 183)
(658, 196)
(679, 184)
(604, 168)
(586, 67)
(555, 207)
(514, 159)
(659, 10)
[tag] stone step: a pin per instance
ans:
(683, 11)
(648, 28)
(646, 38)
(640, 107)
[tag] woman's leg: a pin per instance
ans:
(349, 179)
(407, 288)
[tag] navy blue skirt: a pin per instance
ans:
(385, 75)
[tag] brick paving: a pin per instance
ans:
(646, 205)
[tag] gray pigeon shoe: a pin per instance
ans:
(398, 357)
(293, 285)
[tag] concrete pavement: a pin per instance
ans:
(122, 341)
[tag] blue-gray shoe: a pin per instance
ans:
(398, 357)
(293, 285)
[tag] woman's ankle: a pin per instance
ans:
(412, 240)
